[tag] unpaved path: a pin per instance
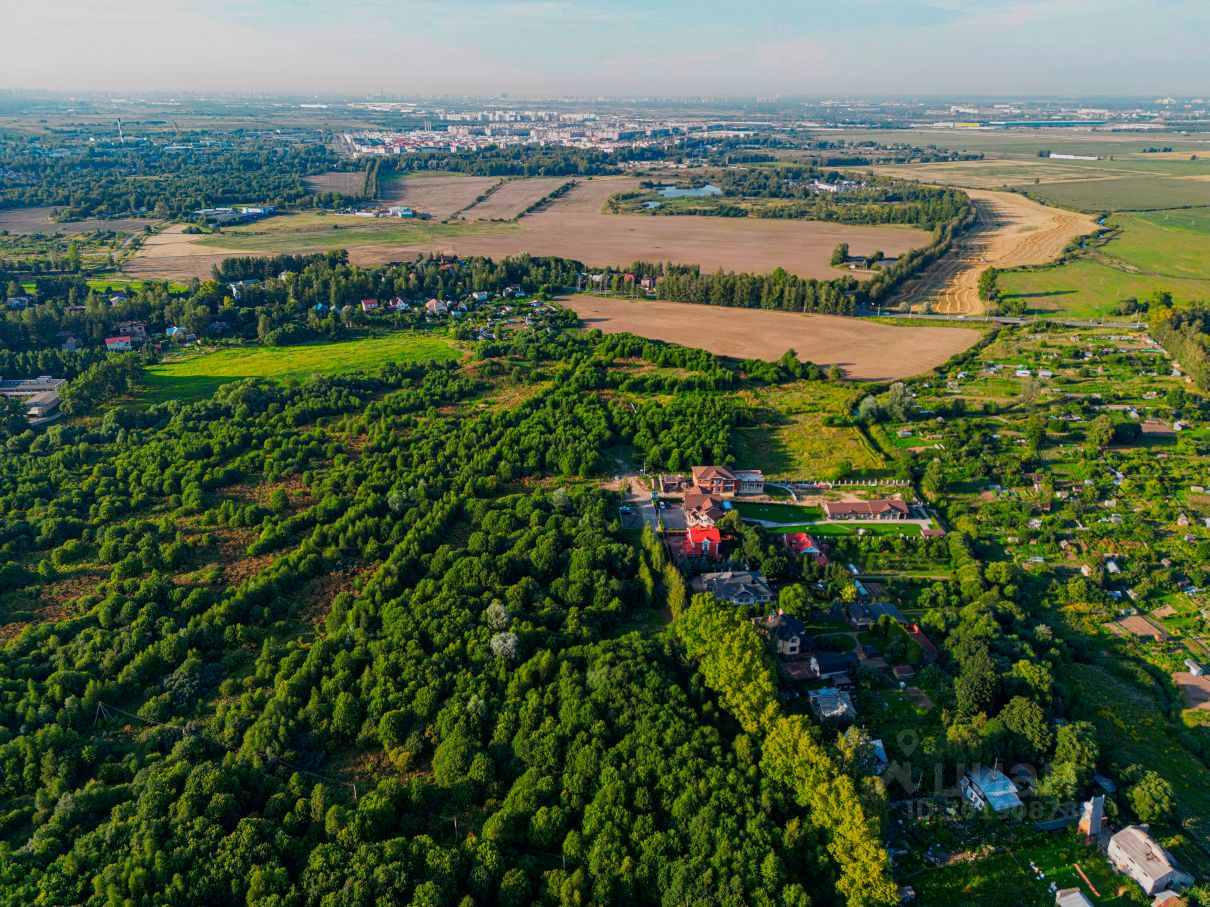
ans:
(1011, 231)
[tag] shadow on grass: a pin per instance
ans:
(186, 388)
(1038, 295)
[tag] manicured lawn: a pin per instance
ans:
(199, 375)
(779, 513)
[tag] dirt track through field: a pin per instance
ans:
(1011, 231)
(866, 350)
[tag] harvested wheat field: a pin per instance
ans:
(172, 253)
(37, 220)
(344, 182)
(574, 226)
(1012, 231)
(513, 197)
(865, 350)
(439, 195)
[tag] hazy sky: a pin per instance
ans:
(610, 47)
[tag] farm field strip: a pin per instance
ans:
(1011, 231)
(192, 376)
(37, 220)
(512, 198)
(573, 227)
(864, 350)
(438, 194)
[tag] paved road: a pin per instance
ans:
(639, 499)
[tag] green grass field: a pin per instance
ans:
(198, 375)
(792, 441)
(1172, 243)
(1004, 878)
(319, 232)
(1128, 193)
(1091, 289)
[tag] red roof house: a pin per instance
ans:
(701, 541)
(799, 544)
(926, 644)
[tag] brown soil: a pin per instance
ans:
(1195, 687)
(438, 196)
(575, 227)
(865, 350)
(1012, 231)
(173, 253)
(512, 198)
(37, 220)
(337, 181)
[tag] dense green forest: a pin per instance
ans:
(382, 636)
(365, 640)
(794, 192)
(155, 179)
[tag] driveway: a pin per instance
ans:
(638, 498)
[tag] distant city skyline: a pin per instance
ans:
(614, 48)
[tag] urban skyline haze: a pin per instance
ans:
(619, 48)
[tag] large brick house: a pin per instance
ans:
(702, 509)
(701, 541)
(885, 509)
(725, 482)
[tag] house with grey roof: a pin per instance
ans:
(831, 704)
(1134, 852)
(739, 587)
(1071, 897)
(990, 788)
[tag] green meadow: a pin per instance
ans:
(320, 232)
(198, 375)
(1172, 243)
(1084, 288)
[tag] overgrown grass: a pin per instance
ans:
(791, 440)
(1091, 289)
(320, 232)
(1134, 730)
(197, 375)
